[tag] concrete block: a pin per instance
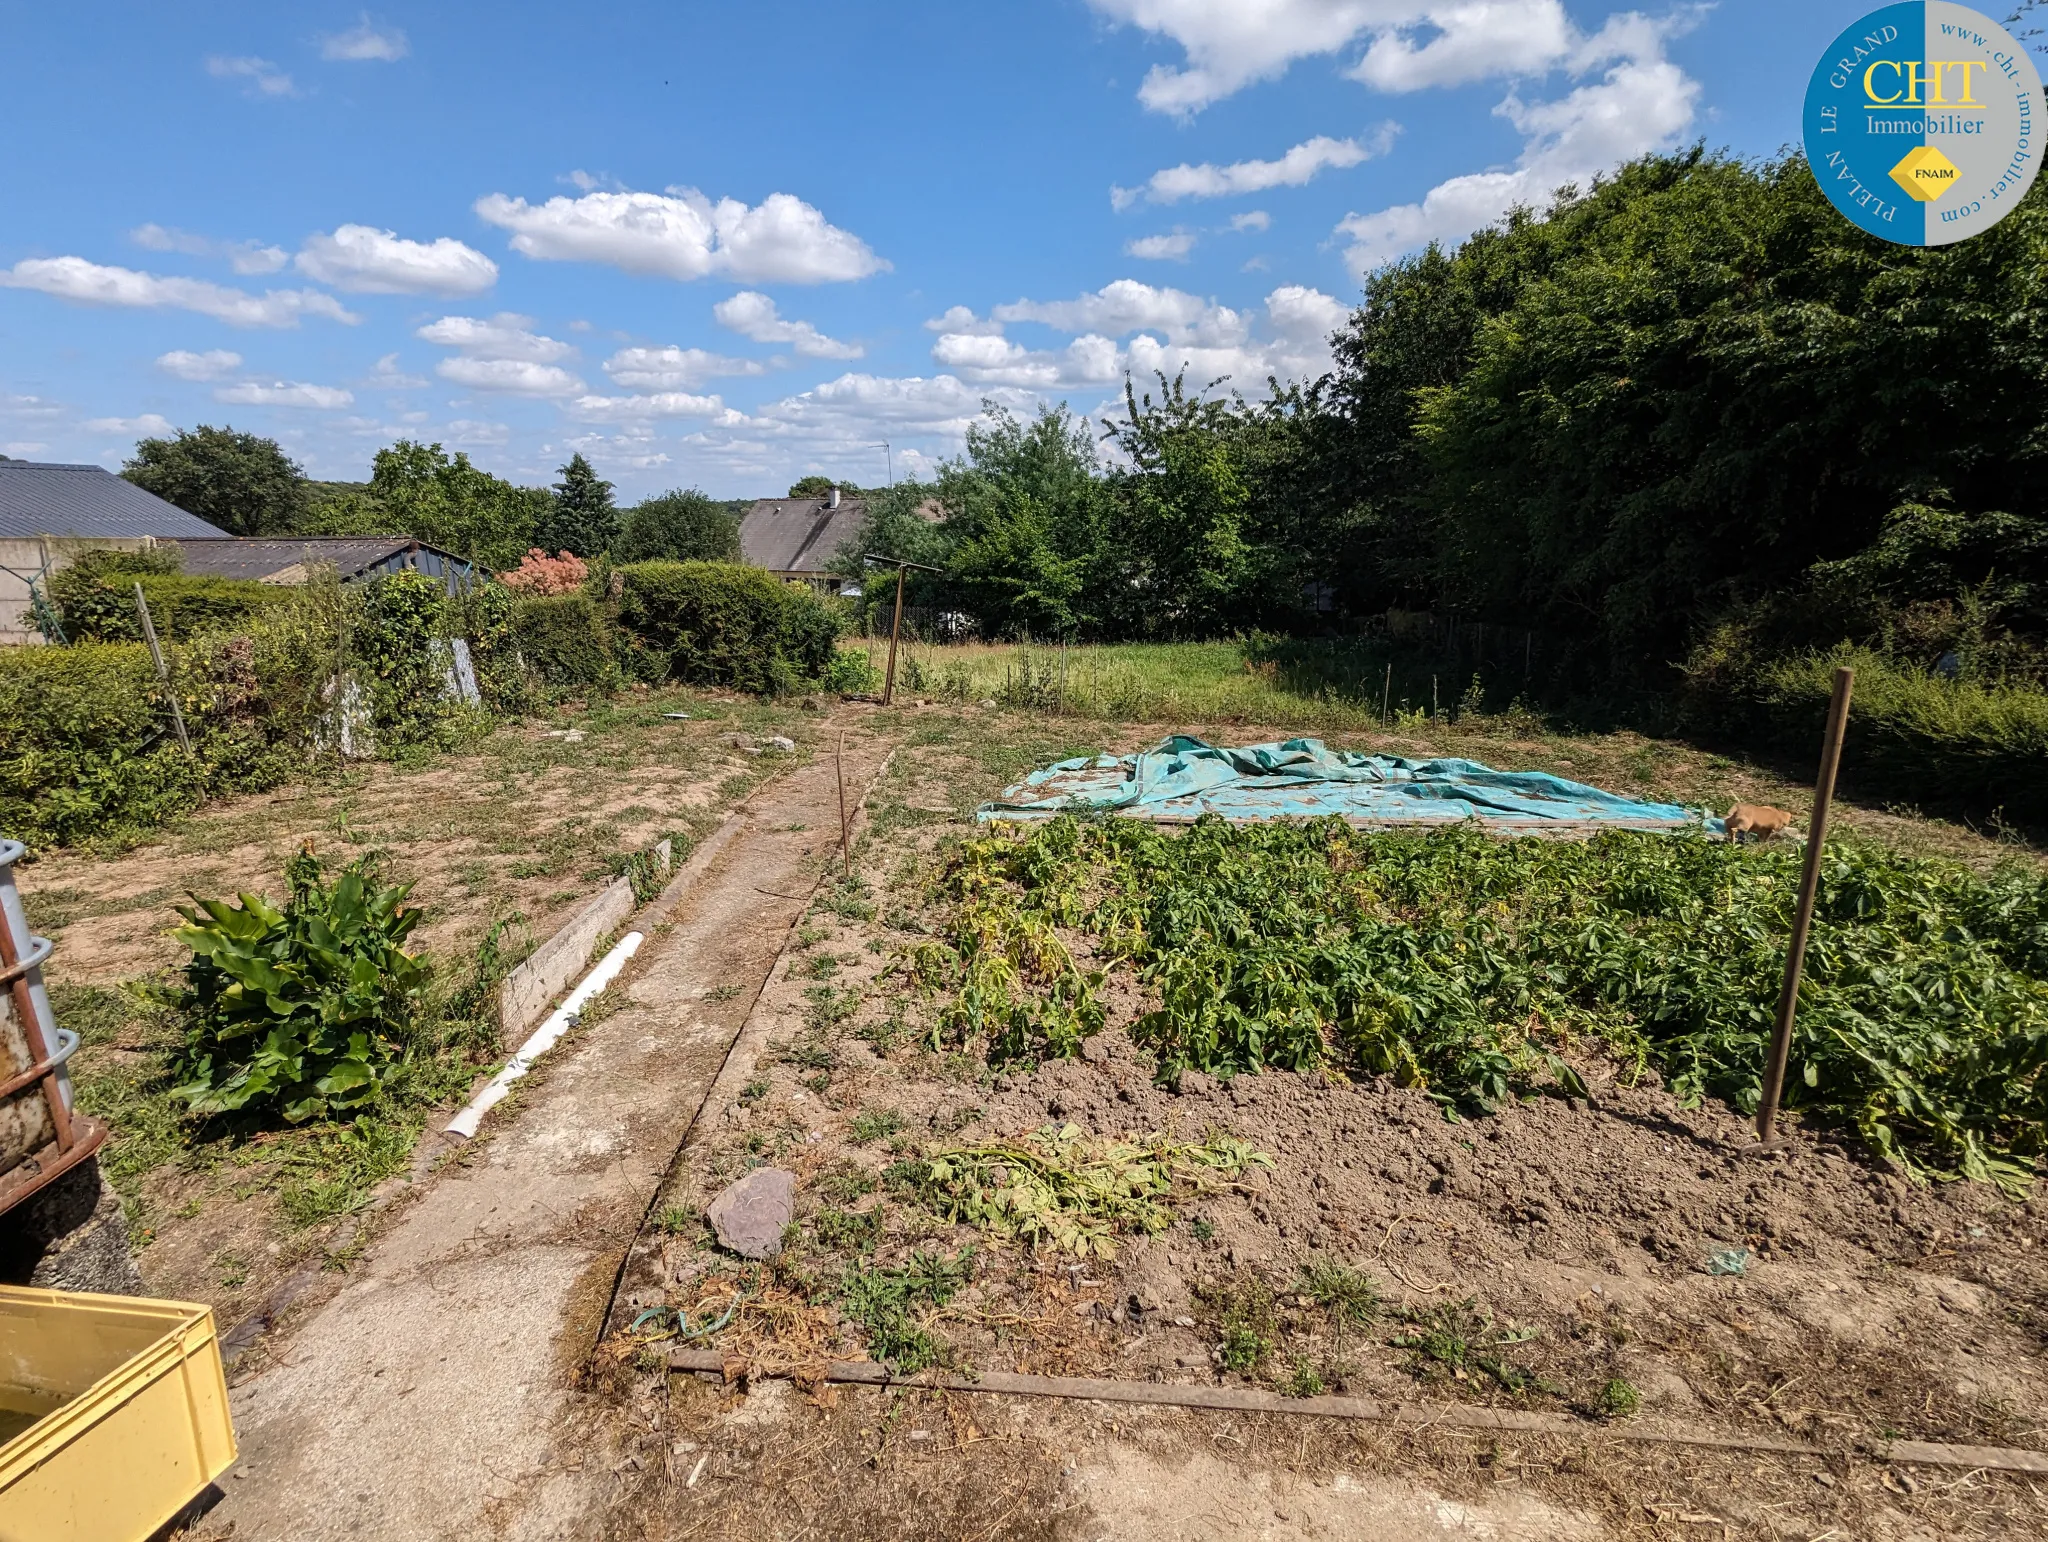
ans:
(526, 992)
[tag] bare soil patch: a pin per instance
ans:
(1612, 1256)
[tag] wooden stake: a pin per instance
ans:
(1802, 917)
(839, 773)
(895, 630)
(163, 674)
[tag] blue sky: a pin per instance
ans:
(725, 246)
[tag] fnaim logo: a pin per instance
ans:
(1924, 123)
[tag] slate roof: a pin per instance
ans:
(798, 535)
(86, 501)
(263, 556)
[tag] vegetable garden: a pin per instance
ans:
(1484, 970)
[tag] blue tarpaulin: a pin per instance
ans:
(1181, 778)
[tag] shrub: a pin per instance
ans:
(850, 674)
(86, 743)
(1950, 745)
(719, 623)
(297, 1011)
(485, 614)
(96, 599)
(540, 575)
(562, 638)
(402, 618)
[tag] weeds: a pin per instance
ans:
(1058, 1188)
(873, 1124)
(1461, 1338)
(1618, 1399)
(1247, 1323)
(886, 1304)
(847, 1231)
(1349, 1295)
(1467, 966)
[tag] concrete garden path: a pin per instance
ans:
(432, 1395)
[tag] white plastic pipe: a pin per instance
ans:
(557, 1023)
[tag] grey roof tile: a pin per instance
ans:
(86, 501)
(798, 535)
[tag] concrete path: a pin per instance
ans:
(431, 1396)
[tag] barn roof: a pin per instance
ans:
(87, 502)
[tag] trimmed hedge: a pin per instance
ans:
(1954, 746)
(719, 623)
(87, 749)
(102, 608)
(562, 638)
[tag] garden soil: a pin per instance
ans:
(432, 1392)
(1571, 1242)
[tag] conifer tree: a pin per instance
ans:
(581, 518)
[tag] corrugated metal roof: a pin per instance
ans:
(798, 535)
(263, 556)
(85, 502)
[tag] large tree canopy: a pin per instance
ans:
(243, 483)
(681, 526)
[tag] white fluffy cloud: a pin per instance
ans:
(1173, 246)
(365, 43)
(92, 283)
(1294, 169)
(753, 316)
(650, 404)
(263, 77)
(515, 377)
(1252, 219)
(244, 257)
(1126, 306)
(1642, 103)
(1205, 341)
(210, 365)
(364, 260)
(502, 353)
(1470, 40)
(283, 393)
(503, 336)
(683, 235)
(148, 425)
(672, 368)
(1231, 43)
(961, 321)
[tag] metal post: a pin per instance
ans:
(1802, 917)
(163, 674)
(839, 772)
(895, 631)
(1386, 693)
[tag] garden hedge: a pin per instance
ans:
(719, 623)
(100, 607)
(562, 638)
(1949, 746)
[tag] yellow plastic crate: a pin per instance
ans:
(114, 1411)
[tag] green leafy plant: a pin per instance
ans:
(1618, 1399)
(1460, 1337)
(1469, 967)
(893, 1306)
(1058, 1188)
(1247, 1325)
(297, 1011)
(1304, 1379)
(872, 1124)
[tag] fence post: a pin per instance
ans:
(163, 674)
(1802, 917)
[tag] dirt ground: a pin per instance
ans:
(1566, 1243)
(1528, 1260)
(523, 828)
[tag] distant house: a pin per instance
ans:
(287, 559)
(794, 538)
(49, 514)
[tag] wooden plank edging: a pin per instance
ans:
(1458, 1416)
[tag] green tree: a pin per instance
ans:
(815, 486)
(243, 483)
(419, 490)
(680, 526)
(581, 517)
